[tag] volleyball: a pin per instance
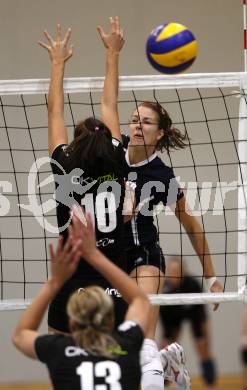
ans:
(171, 48)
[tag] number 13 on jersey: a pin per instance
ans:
(108, 370)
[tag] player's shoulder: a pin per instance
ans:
(58, 151)
(53, 339)
(125, 140)
(49, 345)
(160, 169)
(57, 158)
(130, 335)
(118, 148)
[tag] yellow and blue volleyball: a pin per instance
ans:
(171, 48)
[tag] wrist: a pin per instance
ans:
(210, 281)
(113, 52)
(58, 63)
(93, 255)
(54, 284)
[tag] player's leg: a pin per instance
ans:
(201, 333)
(150, 279)
(171, 318)
(172, 354)
(149, 275)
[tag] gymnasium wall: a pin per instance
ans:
(217, 25)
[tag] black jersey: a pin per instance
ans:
(71, 367)
(155, 183)
(101, 196)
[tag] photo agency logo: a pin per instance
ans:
(66, 185)
(200, 199)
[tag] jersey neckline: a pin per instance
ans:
(141, 163)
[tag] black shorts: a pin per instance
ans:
(57, 316)
(172, 318)
(150, 254)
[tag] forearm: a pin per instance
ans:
(110, 91)
(57, 132)
(117, 278)
(56, 93)
(200, 244)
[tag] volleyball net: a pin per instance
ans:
(212, 170)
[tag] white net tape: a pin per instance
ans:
(127, 83)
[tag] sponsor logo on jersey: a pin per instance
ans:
(105, 242)
(112, 291)
(74, 351)
(117, 351)
(139, 260)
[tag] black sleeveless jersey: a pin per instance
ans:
(101, 196)
(155, 183)
(71, 367)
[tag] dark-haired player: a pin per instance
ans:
(88, 171)
(151, 130)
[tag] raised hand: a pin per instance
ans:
(114, 40)
(82, 231)
(58, 49)
(64, 260)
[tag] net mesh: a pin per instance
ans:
(211, 170)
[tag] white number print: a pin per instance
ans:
(105, 204)
(108, 370)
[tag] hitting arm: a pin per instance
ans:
(59, 53)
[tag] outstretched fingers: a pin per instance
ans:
(57, 48)
(42, 44)
(49, 38)
(100, 31)
(121, 32)
(67, 36)
(117, 25)
(54, 254)
(58, 33)
(89, 220)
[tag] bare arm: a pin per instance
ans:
(198, 241)
(138, 302)
(59, 54)
(63, 265)
(113, 43)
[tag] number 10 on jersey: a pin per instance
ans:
(103, 210)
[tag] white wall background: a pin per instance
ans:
(217, 25)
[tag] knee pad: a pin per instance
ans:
(244, 356)
(149, 357)
(208, 371)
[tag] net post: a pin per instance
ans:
(242, 188)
